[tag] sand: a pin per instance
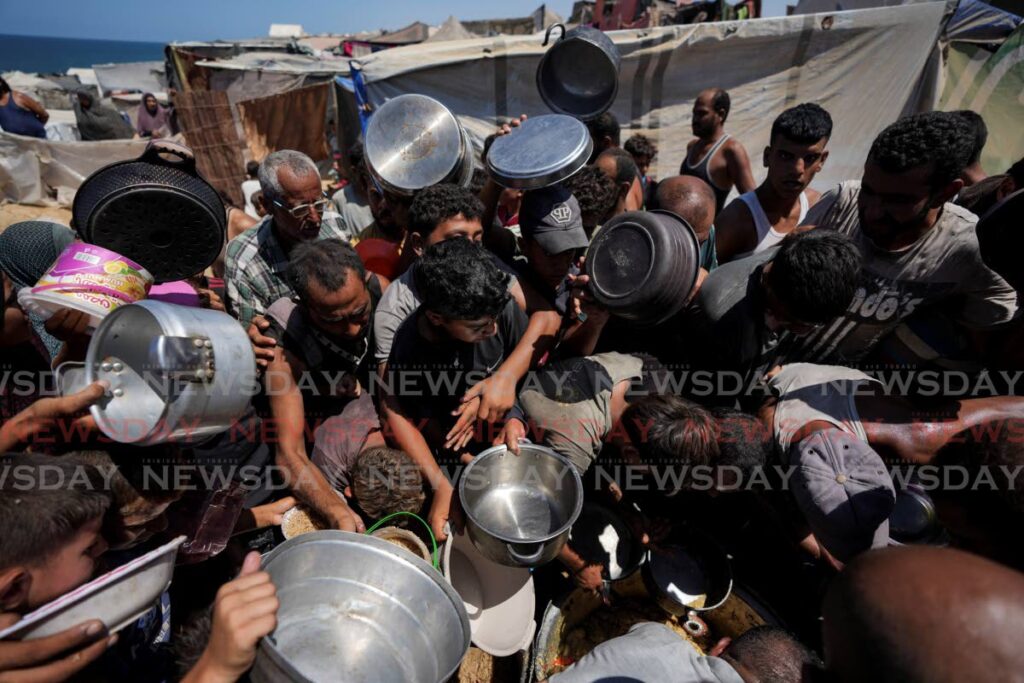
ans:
(13, 213)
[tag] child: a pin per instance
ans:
(52, 514)
(465, 326)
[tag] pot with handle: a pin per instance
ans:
(156, 210)
(579, 74)
(176, 373)
(519, 509)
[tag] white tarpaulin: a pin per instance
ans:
(33, 170)
(132, 76)
(867, 67)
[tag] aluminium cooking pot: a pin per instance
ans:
(156, 210)
(358, 609)
(413, 141)
(643, 265)
(579, 74)
(176, 373)
(541, 151)
(519, 509)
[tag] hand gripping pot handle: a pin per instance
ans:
(547, 34)
(525, 560)
(173, 154)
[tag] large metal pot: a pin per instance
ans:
(358, 609)
(156, 210)
(413, 142)
(176, 373)
(543, 151)
(520, 508)
(579, 75)
(643, 265)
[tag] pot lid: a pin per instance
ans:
(500, 600)
(412, 142)
(542, 151)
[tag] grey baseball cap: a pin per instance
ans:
(552, 217)
(844, 490)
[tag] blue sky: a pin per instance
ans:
(167, 20)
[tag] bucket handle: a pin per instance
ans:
(547, 34)
(433, 541)
(157, 152)
(525, 559)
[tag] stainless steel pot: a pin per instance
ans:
(175, 372)
(542, 151)
(579, 75)
(358, 609)
(413, 141)
(520, 508)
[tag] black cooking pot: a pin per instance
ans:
(579, 75)
(643, 265)
(156, 210)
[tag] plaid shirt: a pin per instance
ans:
(254, 269)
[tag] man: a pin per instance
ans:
(740, 318)
(298, 212)
(919, 250)
(893, 615)
(618, 165)
(985, 194)
(352, 201)
(605, 132)
(465, 326)
(693, 200)
(653, 652)
(20, 114)
(643, 151)
(250, 186)
(794, 155)
(827, 418)
(720, 171)
(596, 194)
(973, 172)
(324, 334)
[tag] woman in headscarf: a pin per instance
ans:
(27, 250)
(153, 120)
(98, 122)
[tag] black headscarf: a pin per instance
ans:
(99, 122)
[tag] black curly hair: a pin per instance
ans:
(326, 262)
(435, 204)
(640, 146)
(980, 131)
(815, 274)
(457, 279)
(805, 123)
(942, 140)
(595, 193)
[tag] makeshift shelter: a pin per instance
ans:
(451, 29)
(130, 76)
(867, 68)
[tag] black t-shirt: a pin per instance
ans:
(429, 378)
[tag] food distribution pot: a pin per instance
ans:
(579, 74)
(520, 509)
(357, 609)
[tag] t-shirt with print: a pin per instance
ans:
(398, 303)
(943, 267)
(429, 378)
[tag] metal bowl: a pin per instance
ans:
(356, 608)
(413, 142)
(520, 508)
(542, 151)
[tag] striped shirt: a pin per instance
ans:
(254, 269)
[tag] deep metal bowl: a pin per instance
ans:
(520, 508)
(358, 609)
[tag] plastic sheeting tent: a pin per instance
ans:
(866, 67)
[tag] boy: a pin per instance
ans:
(466, 325)
(52, 516)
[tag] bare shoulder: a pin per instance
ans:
(734, 148)
(812, 196)
(735, 216)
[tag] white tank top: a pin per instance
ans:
(766, 235)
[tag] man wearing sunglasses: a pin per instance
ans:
(919, 250)
(298, 212)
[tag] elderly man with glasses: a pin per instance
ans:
(298, 212)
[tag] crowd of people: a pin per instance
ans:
(788, 404)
